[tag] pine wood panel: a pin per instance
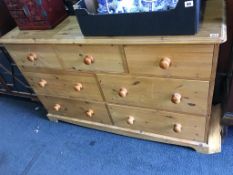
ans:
(213, 145)
(187, 61)
(212, 30)
(107, 58)
(159, 122)
(212, 85)
(46, 57)
(156, 92)
(63, 85)
(77, 109)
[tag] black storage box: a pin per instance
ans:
(183, 20)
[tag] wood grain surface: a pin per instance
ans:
(63, 85)
(156, 92)
(77, 109)
(187, 61)
(159, 122)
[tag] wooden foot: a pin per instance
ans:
(52, 119)
(208, 149)
(214, 137)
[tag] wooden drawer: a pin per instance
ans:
(84, 110)
(158, 122)
(72, 85)
(158, 93)
(29, 57)
(183, 61)
(77, 57)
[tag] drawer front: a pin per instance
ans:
(29, 57)
(178, 95)
(185, 61)
(83, 110)
(74, 86)
(91, 58)
(159, 122)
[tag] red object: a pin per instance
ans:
(36, 14)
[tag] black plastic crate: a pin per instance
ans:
(182, 20)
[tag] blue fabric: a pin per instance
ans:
(32, 145)
(132, 6)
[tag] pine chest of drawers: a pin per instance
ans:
(156, 88)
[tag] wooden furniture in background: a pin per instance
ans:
(12, 82)
(155, 88)
(224, 83)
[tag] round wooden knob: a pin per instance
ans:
(42, 83)
(123, 92)
(32, 57)
(131, 120)
(90, 113)
(88, 60)
(177, 128)
(57, 107)
(78, 87)
(176, 98)
(165, 63)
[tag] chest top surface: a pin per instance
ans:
(212, 30)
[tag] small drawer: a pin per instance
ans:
(190, 96)
(91, 58)
(29, 57)
(183, 61)
(159, 122)
(72, 85)
(13, 5)
(17, 14)
(83, 110)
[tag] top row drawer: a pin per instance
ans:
(179, 61)
(68, 57)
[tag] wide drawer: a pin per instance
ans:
(106, 58)
(29, 57)
(183, 61)
(158, 122)
(67, 85)
(190, 96)
(83, 110)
